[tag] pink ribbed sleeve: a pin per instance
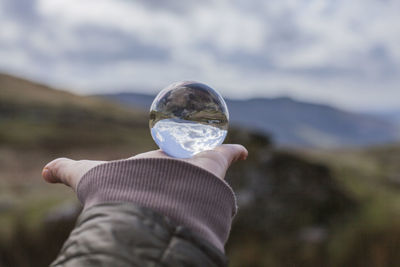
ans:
(187, 194)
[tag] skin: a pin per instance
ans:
(216, 161)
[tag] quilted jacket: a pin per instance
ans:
(124, 234)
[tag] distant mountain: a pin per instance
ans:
(393, 116)
(296, 123)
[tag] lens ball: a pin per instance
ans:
(187, 118)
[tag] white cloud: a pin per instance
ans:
(329, 51)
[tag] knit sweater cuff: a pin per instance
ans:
(187, 194)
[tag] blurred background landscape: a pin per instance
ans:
(313, 93)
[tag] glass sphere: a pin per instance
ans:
(187, 118)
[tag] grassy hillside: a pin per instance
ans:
(34, 115)
(372, 177)
(366, 171)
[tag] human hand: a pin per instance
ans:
(216, 161)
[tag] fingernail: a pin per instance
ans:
(46, 173)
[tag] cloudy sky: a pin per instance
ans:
(342, 52)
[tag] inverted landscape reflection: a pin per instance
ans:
(184, 139)
(187, 118)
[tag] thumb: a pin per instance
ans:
(218, 160)
(232, 152)
(67, 171)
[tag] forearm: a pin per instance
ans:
(188, 195)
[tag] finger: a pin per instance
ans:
(218, 160)
(232, 152)
(67, 171)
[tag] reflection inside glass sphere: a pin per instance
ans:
(187, 118)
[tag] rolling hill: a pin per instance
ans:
(295, 123)
(33, 115)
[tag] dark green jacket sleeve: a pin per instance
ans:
(124, 234)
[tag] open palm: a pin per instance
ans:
(216, 161)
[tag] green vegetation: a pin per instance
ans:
(296, 207)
